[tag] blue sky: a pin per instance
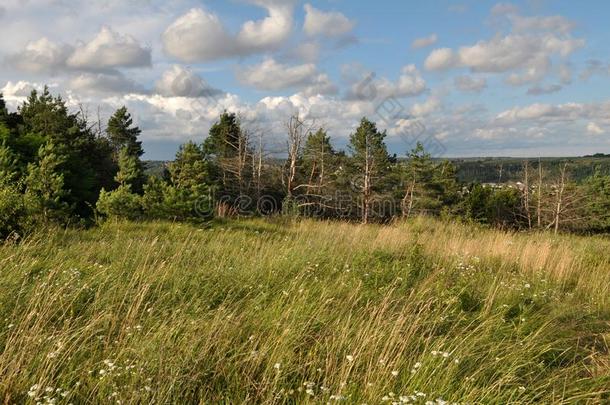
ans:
(480, 78)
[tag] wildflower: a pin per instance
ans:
(522, 388)
(395, 373)
(349, 358)
(277, 366)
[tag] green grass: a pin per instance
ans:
(295, 312)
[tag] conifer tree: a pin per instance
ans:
(371, 159)
(45, 191)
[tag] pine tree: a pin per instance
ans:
(130, 171)
(122, 134)
(45, 191)
(123, 138)
(3, 110)
(372, 161)
(46, 119)
(190, 169)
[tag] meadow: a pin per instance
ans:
(286, 311)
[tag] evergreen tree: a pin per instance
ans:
(3, 110)
(123, 140)
(47, 120)
(371, 160)
(190, 169)
(8, 165)
(429, 186)
(122, 134)
(224, 137)
(130, 171)
(45, 193)
(228, 152)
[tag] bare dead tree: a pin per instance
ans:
(526, 194)
(539, 202)
(297, 129)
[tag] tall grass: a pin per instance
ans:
(304, 312)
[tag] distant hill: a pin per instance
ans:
(155, 167)
(491, 169)
(500, 170)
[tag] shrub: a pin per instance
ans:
(13, 213)
(120, 203)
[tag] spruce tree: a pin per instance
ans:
(122, 134)
(372, 161)
(123, 138)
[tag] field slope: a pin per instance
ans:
(296, 312)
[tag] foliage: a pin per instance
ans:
(45, 187)
(14, 219)
(120, 203)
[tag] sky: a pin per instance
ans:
(466, 78)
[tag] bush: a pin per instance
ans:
(120, 203)
(165, 201)
(14, 219)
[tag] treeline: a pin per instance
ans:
(59, 167)
(505, 170)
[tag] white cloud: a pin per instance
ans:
(103, 83)
(109, 49)
(424, 42)
(271, 75)
(329, 24)
(19, 90)
(526, 53)
(441, 59)
(470, 84)
(41, 56)
(181, 82)
(594, 129)
(432, 104)
(199, 35)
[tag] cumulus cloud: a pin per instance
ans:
(424, 42)
(527, 52)
(109, 49)
(429, 106)
(549, 113)
(19, 90)
(103, 83)
(441, 59)
(199, 35)
(181, 82)
(271, 75)
(41, 56)
(328, 24)
(409, 84)
(470, 84)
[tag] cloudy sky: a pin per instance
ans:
(470, 78)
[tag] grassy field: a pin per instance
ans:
(304, 312)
